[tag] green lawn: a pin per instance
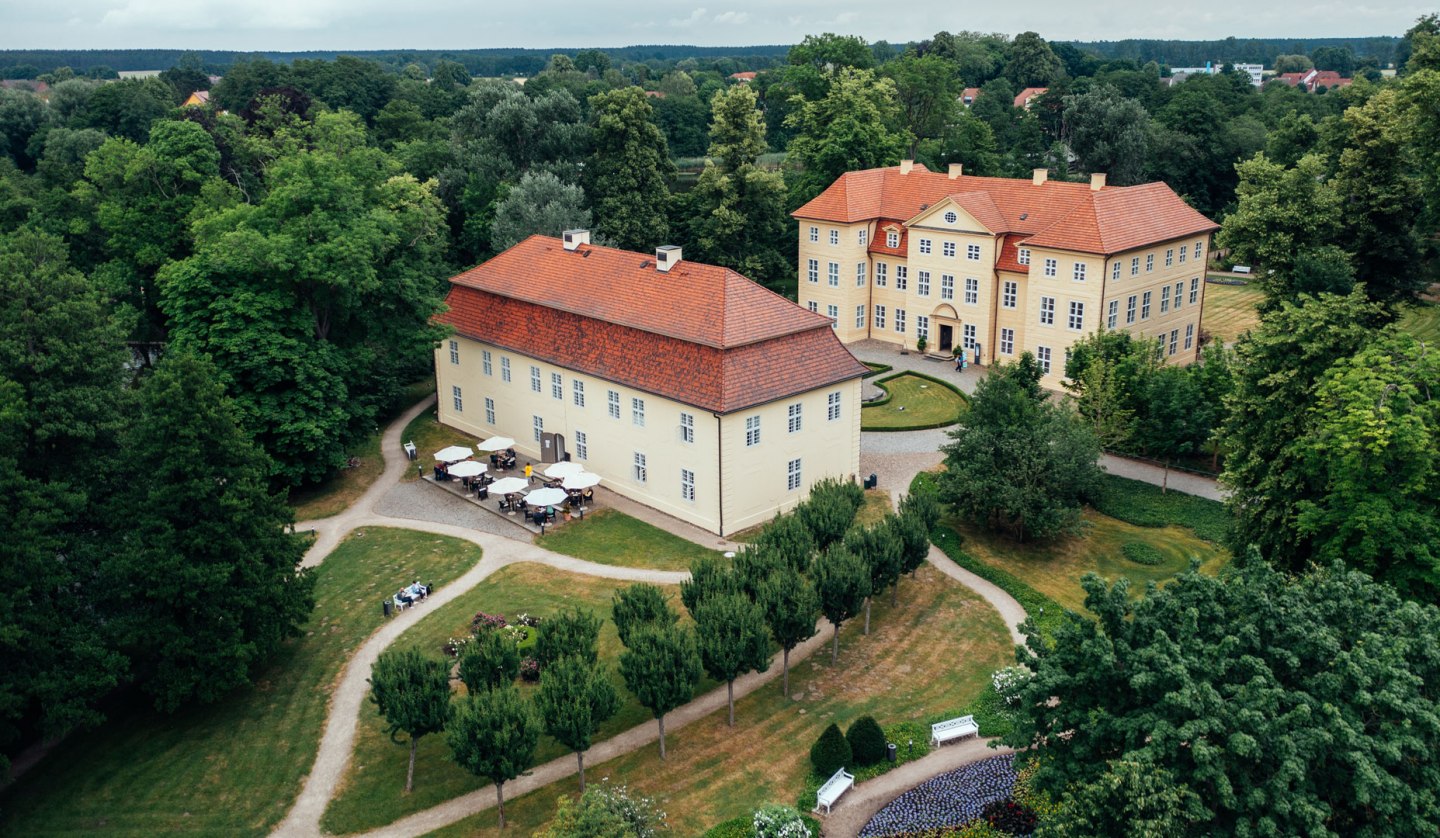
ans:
(1423, 322)
(611, 537)
(1144, 505)
(235, 767)
(929, 660)
(372, 793)
(913, 402)
(1230, 310)
(430, 436)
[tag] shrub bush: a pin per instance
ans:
(1009, 817)
(777, 821)
(830, 752)
(1141, 553)
(867, 741)
(740, 827)
(491, 661)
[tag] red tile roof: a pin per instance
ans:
(969, 95)
(1010, 256)
(877, 242)
(700, 334)
(1022, 99)
(748, 75)
(1115, 216)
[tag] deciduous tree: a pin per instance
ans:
(661, 667)
(854, 126)
(412, 693)
(638, 606)
(732, 637)
(493, 735)
(842, 583)
(574, 699)
(491, 661)
(791, 610)
(570, 633)
(627, 177)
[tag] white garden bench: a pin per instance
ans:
(839, 783)
(954, 729)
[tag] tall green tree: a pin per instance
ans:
(627, 176)
(1109, 133)
(539, 204)
(709, 578)
(791, 610)
(412, 693)
(493, 660)
(1177, 418)
(1030, 62)
(661, 666)
(842, 583)
(570, 633)
(574, 699)
(928, 88)
(831, 51)
(493, 735)
(638, 606)
(789, 538)
(881, 555)
(854, 126)
(830, 510)
(733, 639)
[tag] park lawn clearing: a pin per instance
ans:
(912, 403)
(1230, 310)
(372, 792)
(608, 536)
(430, 436)
(1422, 321)
(234, 767)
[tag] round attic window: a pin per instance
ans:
(950, 217)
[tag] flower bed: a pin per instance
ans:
(948, 801)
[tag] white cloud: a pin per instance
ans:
(695, 17)
(732, 17)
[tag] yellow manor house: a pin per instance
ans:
(687, 387)
(1000, 266)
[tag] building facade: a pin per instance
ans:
(686, 387)
(999, 266)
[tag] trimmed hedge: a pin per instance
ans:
(1141, 553)
(880, 382)
(867, 741)
(876, 369)
(831, 752)
(1144, 505)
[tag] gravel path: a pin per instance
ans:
(421, 500)
(951, 799)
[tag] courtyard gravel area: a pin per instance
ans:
(949, 800)
(421, 501)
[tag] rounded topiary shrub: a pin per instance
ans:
(830, 752)
(867, 741)
(1141, 553)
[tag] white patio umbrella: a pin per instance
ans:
(509, 485)
(563, 469)
(453, 454)
(496, 443)
(545, 497)
(583, 480)
(467, 468)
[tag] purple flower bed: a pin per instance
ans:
(950, 800)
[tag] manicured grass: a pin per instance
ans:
(1144, 505)
(608, 536)
(924, 662)
(1230, 310)
(372, 793)
(232, 768)
(430, 436)
(913, 403)
(1423, 321)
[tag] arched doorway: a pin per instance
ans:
(947, 328)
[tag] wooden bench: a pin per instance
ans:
(954, 729)
(839, 783)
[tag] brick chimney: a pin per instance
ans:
(906, 166)
(1097, 181)
(667, 256)
(956, 170)
(574, 238)
(1039, 176)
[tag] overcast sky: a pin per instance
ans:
(457, 24)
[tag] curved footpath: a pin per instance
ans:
(348, 697)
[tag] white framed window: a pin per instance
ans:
(1112, 317)
(1050, 267)
(1169, 256)
(1115, 270)
(951, 217)
(1042, 354)
(882, 272)
(1182, 255)
(1197, 251)
(834, 236)
(972, 291)
(1010, 294)
(504, 369)
(947, 249)
(557, 386)
(535, 378)
(458, 400)
(1047, 311)
(814, 234)
(833, 312)
(642, 472)
(900, 320)
(1164, 299)
(860, 317)
(1135, 266)
(922, 283)
(612, 403)
(892, 239)
(812, 270)
(922, 326)
(859, 274)
(972, 252)
(794, 418)
(485, 362)
(1189, 335)
(1179, 293)
(1194, 290)
(1079, 272)
(879, 317)
(1077, 316)
(577, 388)
(863, 236)
(637, 412)
(537, 426)
(489, 411)
(1174, 341)
(1007, 341)
(947, 287)
(832, 406)
(1130, 310)
(832, 274)
(969, 341)
(454, 351)
(687, 427)
(1023, 255)
(1145, 306)
(925, 246)
(1149, 262)
(687, 484)
(792, 475)
(752, 431)
(582, 445)
(814, 306)
(902, 277)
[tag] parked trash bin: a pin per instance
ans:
(872, 481)
(385, 606)
(890, 751)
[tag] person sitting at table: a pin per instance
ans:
(494, 459)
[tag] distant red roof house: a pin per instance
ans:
(719, 342)
(198, 99)
(969, 95)
(745, 77)
(1313, 79)
(655, 94)
(1023, 99)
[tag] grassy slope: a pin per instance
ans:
(614, 538)
(1230, 310)
(236, 766)
(924, 403)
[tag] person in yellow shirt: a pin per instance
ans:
(529, 473)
